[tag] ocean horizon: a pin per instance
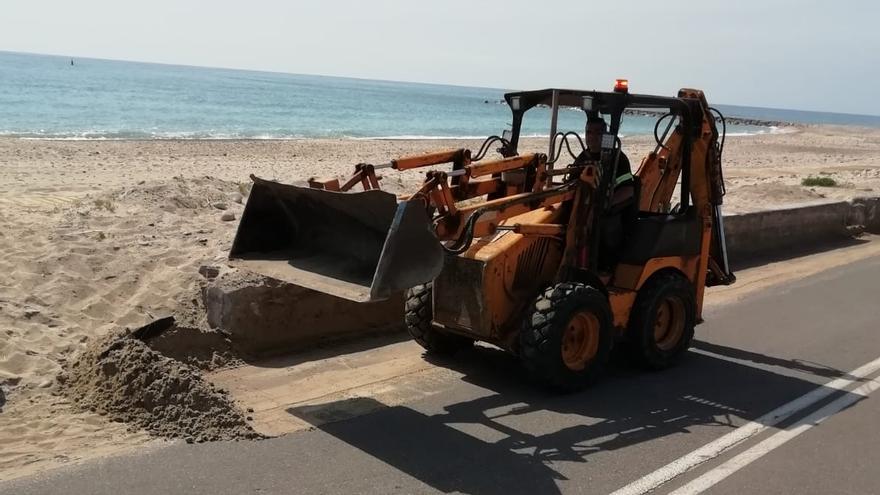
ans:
(56, 97)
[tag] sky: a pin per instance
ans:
(807, 54)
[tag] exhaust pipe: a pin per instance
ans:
(361, 246)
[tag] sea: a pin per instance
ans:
(55, 97)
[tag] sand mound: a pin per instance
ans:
(186, 337)
(123, 378)
(205, 349)
(179, 194)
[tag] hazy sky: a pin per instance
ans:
(786, 54)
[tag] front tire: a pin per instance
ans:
(661, 325)
(418, 317)
(566, 340)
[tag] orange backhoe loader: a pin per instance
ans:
(554, 257)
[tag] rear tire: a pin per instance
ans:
(418, 317)
(566, 339)
(661, 325)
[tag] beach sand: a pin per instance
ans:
(98, 235)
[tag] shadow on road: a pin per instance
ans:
(510, 439)
(817, 369)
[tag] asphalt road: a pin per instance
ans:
(491, 433)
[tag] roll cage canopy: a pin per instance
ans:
(613, 104)
(607, 103)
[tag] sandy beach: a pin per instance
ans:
(98, 235)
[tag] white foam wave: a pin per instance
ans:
(103, 135)
(764, 131)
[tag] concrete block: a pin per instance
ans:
(264, 316)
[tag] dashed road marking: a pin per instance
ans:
(713, 477)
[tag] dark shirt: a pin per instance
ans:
(623, 166)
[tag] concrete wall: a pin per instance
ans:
(799, 226)
(763, 232)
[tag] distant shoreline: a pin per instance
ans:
(766, 127)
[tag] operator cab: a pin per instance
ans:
(634, 228)
(602, 114)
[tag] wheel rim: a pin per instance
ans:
(669, 323)
(580, 340)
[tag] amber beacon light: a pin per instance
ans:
(621, 85)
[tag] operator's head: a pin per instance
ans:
(595, 128)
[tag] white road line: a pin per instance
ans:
(715, 448)
(711, 478)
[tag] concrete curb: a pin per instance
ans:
(262, 316)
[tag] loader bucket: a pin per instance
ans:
(361, 246)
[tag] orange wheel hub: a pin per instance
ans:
(580, 340)
(669, 323)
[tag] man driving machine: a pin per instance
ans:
(622, 208)
(623, 178)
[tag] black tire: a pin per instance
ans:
(670, 292)
(541, 339)
(419, 313)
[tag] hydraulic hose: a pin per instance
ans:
(723, 127)
(657, 138)
(484, 148)
(721, 146)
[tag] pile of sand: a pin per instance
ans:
(181, 194)
(188, 338)
(79, 263)
(121, 377)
